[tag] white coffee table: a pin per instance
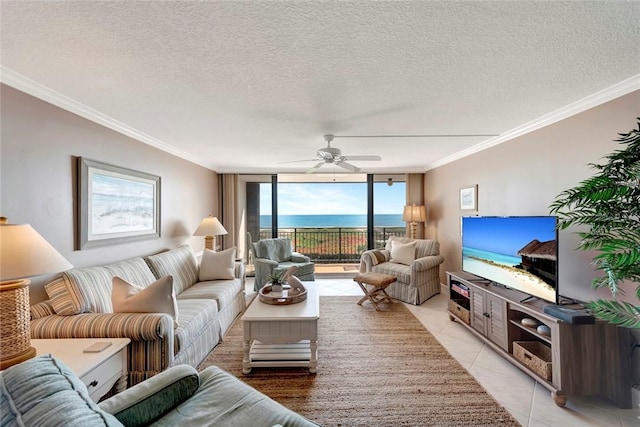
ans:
(98, 371)
(282, 335)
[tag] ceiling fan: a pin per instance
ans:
(333, 156)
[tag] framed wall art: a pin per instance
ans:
(116, 204)
(469, 198)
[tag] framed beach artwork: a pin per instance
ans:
(116, 204)
(469, 198)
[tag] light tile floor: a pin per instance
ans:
(527, 401)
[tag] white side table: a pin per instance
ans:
(98, 371)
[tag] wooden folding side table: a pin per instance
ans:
(379, 283)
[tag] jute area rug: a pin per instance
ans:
(374, 369)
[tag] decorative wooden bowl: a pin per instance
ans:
(291, 294)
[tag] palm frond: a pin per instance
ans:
(617, 312)
(609, 204)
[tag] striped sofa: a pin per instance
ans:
(418, 276)
(79, 306)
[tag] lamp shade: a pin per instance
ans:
(25, 253)
(210, 226)
(413, 213)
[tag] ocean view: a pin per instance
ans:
(510, 260)
(324, 221)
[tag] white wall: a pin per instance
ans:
(37, 180)
(523, 176)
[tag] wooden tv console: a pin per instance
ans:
(585, 360)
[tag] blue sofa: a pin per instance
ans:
(45, 392)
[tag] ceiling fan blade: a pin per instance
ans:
(316, 167)
(298, 161)
(347, 166)
(363, 158)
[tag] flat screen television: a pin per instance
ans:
(519, 252)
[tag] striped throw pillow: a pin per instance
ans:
(180, 263)
(88, 290)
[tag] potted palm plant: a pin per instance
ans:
(609, 204)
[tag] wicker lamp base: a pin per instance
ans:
(15, 319)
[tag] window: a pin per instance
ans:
(327, 220)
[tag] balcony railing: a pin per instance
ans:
(334, 244)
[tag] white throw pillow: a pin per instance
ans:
(158, 297)
(217, 265)
(403, 253)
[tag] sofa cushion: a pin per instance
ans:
(180, 263)
(154, 397)
(44, 391)
(222, 291)
(238, 405)
(217, 265)
(401, 271)
(158, 297)
(82, 290)
(67, 298)
(196, 316)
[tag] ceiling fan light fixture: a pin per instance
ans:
(333, 156)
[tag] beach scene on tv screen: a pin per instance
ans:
(518, 252)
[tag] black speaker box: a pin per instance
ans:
(570, 315)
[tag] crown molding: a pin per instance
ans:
(620, 89)
(24, 84)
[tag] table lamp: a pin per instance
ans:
(23, 253)
(413, 215)
(210, 227)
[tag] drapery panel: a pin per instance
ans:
(415, 194)
(228, 208)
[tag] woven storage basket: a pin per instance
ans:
(535, 355)
(459, 311)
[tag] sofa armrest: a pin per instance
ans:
(427, 262)
(141, 327)
(298, 257)
(265, 262)
(136, 326)
(373, 257)
(239, 271)
(149, 400)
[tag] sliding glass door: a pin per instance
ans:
(327, 217)
(389, 198)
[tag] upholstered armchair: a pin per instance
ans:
(416, 264)
(271, 255)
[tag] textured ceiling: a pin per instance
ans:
(245, 86)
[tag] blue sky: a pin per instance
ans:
(506, 235)
(332, 198)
